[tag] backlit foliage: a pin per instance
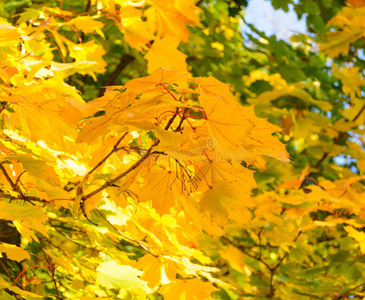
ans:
(149, 151)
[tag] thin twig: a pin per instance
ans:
(67, 237)
(243, 250)
(344, 295)
(259, 258)
(115, 149)
(338, 139)
(28, 198)
(140, 243)
(120, 176)
(12, 184)
(272, 270)
(172, 119)
(52, 269)
(124, 62)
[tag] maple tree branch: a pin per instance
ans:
(344, 295)
(259, 258)
(124, 62)
(184, 117)
(338, 139)
(139, 243)
(272, 270)
(115, 149)
(87, 8)
(243, 250)
(3, 107)
(5, 269)
(260, 243)
(12, 184)
(53, 273)
(67, 237)
(287, 253)
(172, 119)
(27, 198)
(126, 172)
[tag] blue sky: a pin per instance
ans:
(265, 18)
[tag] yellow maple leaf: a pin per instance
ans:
(160, 188)
(216, 170)
(88, 24)
(338, 42)
(200, 219)
(164, 54)
(351, 80)
(192, 289)
(156, 271)
(237, 129)
(13, 252)
(224, 203)
(16, 290)
(235, 258)
(356, 3)
(137, 33)
(89, 52)
(358, 236)
(169, 19)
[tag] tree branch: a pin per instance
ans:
(124, 61)
(259, 258)
(272, 271)
(115, 149)
(243, 250)
(126, 172)
(344, 295)
(12, 184)
(139, 243)
(339, 138)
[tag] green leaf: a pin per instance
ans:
(114, 276)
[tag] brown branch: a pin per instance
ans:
(27, 198)
(338, 139)
(344, 295)
(12, 184)
(171, 119)
(52, 269)
(87, 8)
(125, 61)
(272, 271)
(259, 258)
(3, 107)
(67, 237)
(88, 5)
(5, 268)
(243, 250)
(115, 149)
(120, 176)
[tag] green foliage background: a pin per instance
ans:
(322, 262)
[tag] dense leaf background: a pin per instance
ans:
(93, 202)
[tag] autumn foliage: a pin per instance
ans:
(148, 152)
